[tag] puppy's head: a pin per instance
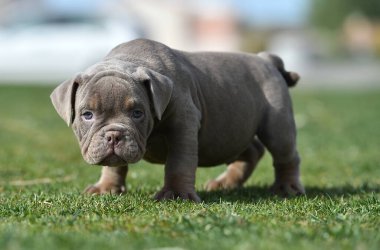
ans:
(111, 108)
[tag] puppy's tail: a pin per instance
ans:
(290, 77)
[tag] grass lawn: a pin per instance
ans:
(42, 176)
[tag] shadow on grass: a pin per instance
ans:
(254, 193)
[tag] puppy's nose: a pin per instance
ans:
(113, 137)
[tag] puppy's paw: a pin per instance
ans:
(287, 188)
(167, 194)
(221, 184)
(100, 188)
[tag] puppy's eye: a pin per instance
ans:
(87, 115)
(137, 114)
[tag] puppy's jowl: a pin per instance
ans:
(184, 110)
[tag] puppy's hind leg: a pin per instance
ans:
(112, 181)
(239, 170)
(279, 137)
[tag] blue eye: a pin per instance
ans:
(137, 114)
(87, 115)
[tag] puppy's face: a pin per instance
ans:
(111, 108)
(112, 121)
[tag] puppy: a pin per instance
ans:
(148, 101)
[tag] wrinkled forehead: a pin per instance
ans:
(110, 93)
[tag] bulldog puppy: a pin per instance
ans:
(148, 101)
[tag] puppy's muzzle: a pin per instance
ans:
(121, 142)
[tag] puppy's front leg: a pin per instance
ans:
(112, 181)
(180, 167)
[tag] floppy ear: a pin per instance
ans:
(63, 99)
(159, 88)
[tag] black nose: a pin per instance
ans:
(113, 137)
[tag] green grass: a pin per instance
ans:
(42, 175)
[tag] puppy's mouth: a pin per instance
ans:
(113, 160)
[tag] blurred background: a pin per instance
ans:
(330, 43)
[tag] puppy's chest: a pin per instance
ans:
(156, 148)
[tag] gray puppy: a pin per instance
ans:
(146, 100)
